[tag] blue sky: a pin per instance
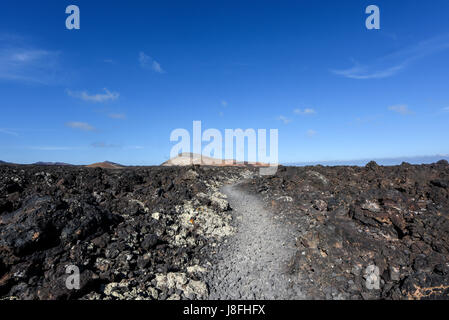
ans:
(136, 70)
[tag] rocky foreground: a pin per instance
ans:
(141, 233)
(350, 218)
(159, 232)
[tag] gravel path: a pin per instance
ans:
(252, 264)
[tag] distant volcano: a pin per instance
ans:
(106, 165)
(188, 158)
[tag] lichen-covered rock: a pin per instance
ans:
(121, 228)
(179, 282)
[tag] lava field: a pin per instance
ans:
(154, 232)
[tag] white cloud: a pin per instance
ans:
(99, 97)
(391, 64)
(144, 59)
(157, 67)
(284, 119)
(305, 111)
(401, 109)
(148, 62)
(311, 133)
(84, 126)
(120, 116)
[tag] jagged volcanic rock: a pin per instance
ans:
(148, 233)
(348, 218)
(122, 228)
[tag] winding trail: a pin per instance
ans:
(252, 264)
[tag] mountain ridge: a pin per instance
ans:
(381, 161)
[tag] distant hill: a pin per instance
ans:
(187, 158)
(106, 165)
(380, 161)
(41, 163)
(3, 162)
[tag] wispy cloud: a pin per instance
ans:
(19, 62)
(102, 145)
(311, 133)
(391, 64)
(446, 109)
(157, 67)
(366, 72)
(401, 109)
(50, 148)
(224, 103)
(284, 119)
(118, 116)
(148, 62)
(84, 126)
(99, 97)
(366, 119)
(135, 147)
(8, 132)
(304, 111)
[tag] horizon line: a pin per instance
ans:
(423, 159)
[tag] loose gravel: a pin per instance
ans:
(253, 263)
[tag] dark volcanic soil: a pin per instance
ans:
(153, 232)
